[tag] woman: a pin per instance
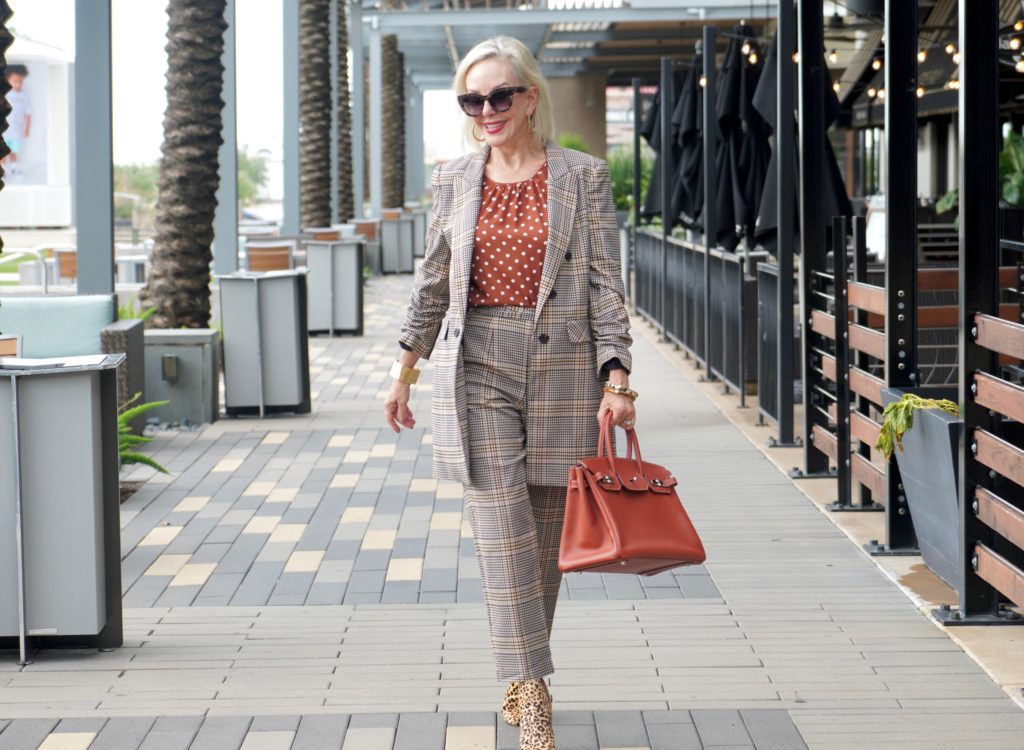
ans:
(519, 303)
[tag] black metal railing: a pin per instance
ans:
(768, 341)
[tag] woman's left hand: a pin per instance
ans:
(622, 410)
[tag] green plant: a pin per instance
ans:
(127, 440)
(128, 311)
(620, 170)
(1011, 178)
(898, 417)
(575, 141)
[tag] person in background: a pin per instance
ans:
(19, 122)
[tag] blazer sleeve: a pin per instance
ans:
(609, 321)
(429, 300)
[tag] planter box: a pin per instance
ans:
(182, 368)
(929, 466)
(396, 242)
(266, 344)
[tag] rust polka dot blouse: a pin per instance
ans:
(511, 236)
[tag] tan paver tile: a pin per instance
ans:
(469, 738)
(465, 530)
(193, 574)
(306, 561)
(339, 381)
(160, 536)
(340, 441)
(382, 451)
(428, 439)
(275, 438)
(359, 514)
(422, 485)
(448, 490)
(226, 465)
(167, 565)
(355, 457)
(259, 489)
(345, 480)
(404, 569)
(282, 495)
(192, 503)
(452, 520)
(261, 524)
(287, 532)
(68, 741)
(379, 539)
(369, 738)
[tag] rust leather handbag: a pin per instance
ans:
(622, 515)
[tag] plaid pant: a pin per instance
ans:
(516, 526)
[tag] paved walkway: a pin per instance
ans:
(301, 582)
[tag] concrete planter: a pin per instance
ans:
(397, 233)
(929, 467)
(335, 285)
(182, 368)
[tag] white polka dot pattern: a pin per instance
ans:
(511, 237)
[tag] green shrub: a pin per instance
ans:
(127, 440)
(620, 169)
(575, 141)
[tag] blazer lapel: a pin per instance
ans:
(466, 211)
(561, 212)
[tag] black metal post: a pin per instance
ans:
(813, 247)
(786, 238)
(979, 272)
(900, 248)
(667, 171)
(637, 178)
(840, 263)
(710, 125)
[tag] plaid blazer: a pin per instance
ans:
(580, 305)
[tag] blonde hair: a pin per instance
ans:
(524, 65)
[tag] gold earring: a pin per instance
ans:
(473, 131)
(533, 124)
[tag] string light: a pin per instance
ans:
(1015, 43)
(836, 86)
(956, 58)
(881, 93)
(922, 55)
(1019, 67)
(920, 91)
(745, 49)
(796, 57)
(1019, 26)
(950, 48)
(876, 64)
(872, 92)
(753, 58)
(703, 81)
(833, 57)
(953, 84)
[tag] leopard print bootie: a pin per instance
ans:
(510, 708)
(535, 729)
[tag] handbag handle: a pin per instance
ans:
(604, 446)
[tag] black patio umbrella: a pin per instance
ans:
(837, 202)
(688, 186)
(741, 165)
(650, 129)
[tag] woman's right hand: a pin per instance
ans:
(396, 407)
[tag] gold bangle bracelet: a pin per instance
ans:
(621, 391)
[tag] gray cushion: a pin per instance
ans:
(57, 326)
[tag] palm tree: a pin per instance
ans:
(392, 124)
(346, 207)
(179, 282)
(5, 109)
(314, 113)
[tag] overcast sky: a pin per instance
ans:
(140, 63)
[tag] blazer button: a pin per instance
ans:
(456, 333)
(553, 294)
(543, 338)
(568, 256)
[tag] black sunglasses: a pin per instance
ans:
(500, 99)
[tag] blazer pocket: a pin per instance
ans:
(578, 329)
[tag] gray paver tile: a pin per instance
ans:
(420, 731)
(221, 733)
(721, 727)
(124, 733)
(25, 733)
(325, 732)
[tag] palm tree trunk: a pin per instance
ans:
(178, 285)
(392, 124)
(6, 38)
(315, 113)
(346, 207)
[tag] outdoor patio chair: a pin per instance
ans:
(270, 255)
(10, 346)
(67, 264)
(74, 325)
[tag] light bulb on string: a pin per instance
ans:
(872, 92)
(922, 55)
(1019, 67)
(745, 49)
(796, 57)
(950, 48)
(881, 93)
(956, 58)
(703, 81)
(753, 58)
(920, 91)
(836, 86)
(1015, 43)
(833, 57)
(1019, 26)
(876, 64)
